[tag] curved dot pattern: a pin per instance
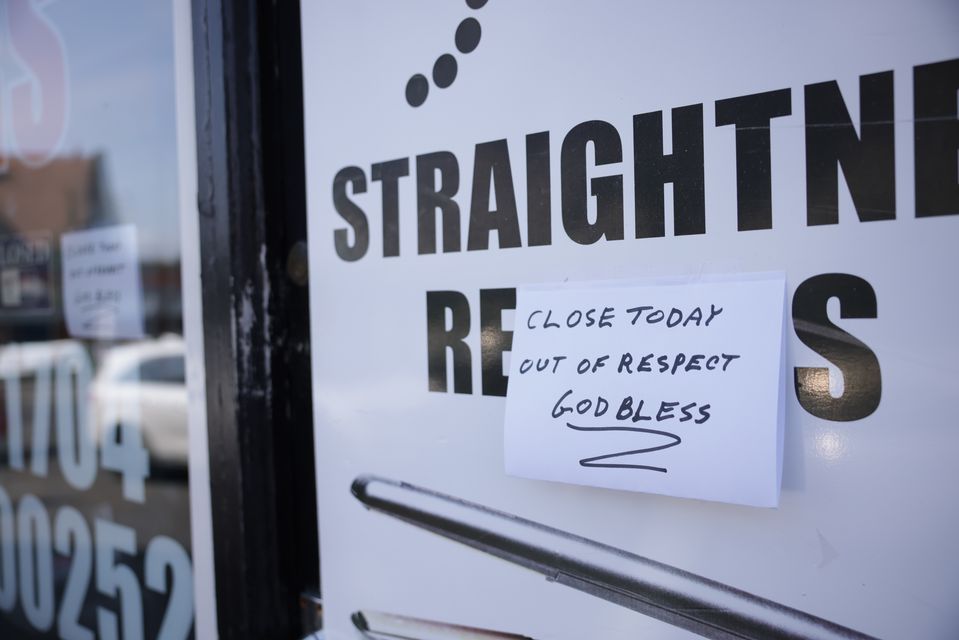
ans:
(467, 38)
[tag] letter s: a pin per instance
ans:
(862, 379)
(352, 214)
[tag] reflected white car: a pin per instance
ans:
(143, 385)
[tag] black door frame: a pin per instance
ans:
(252, 213)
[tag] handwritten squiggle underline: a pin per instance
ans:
(595, 460)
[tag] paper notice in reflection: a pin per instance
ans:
(102, 291)
(672, 387)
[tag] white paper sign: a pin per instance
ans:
(673, 388)
(102, 294)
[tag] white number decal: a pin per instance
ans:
(36, 563)
(117, 581)
(15, 364)
(10, 363)
(72, 538)
(163, 552)
(61, 379)
(74, 444)
(127, 457)
(8, 573)
(40, 448)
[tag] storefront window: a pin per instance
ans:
(94, 495)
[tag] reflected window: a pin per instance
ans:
(168, 370)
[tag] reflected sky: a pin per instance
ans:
(120, 78)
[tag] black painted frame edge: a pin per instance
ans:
(263, 500)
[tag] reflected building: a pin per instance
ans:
(37, 205)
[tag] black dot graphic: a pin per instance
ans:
(468, 35)
(467, 38)
(444, 71)
(418, 87)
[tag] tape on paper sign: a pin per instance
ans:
(670, 387)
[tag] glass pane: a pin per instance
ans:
(94, 498)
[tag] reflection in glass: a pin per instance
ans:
(94, 496)
(143, 384)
